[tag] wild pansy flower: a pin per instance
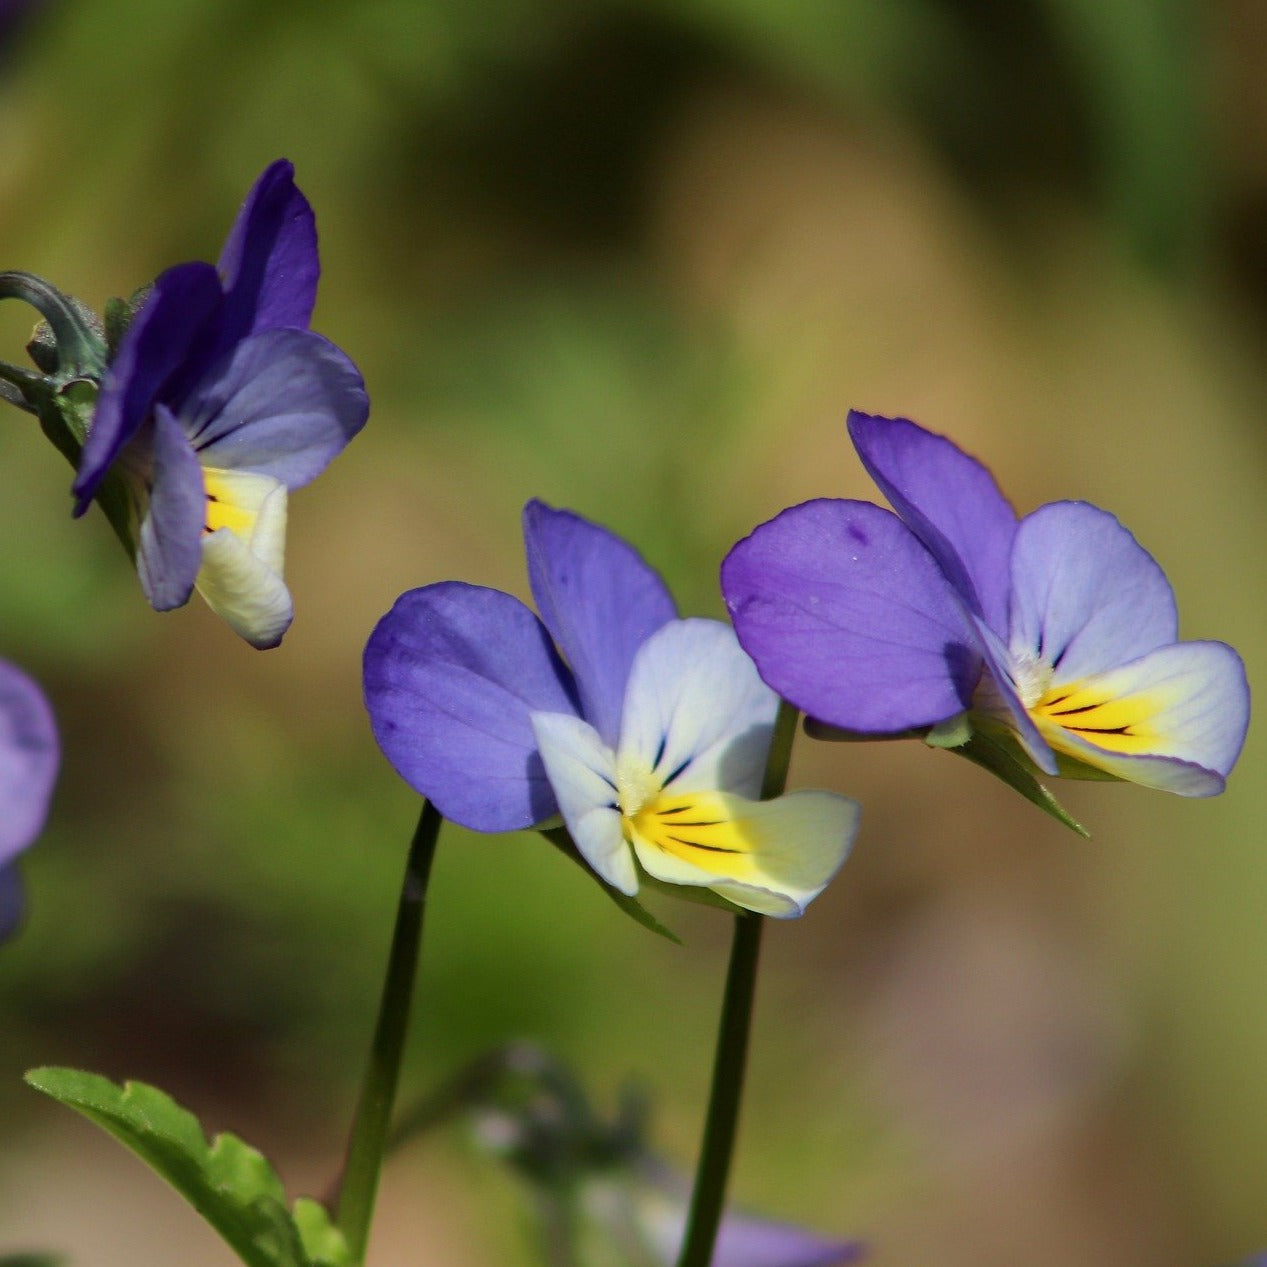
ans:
(28, 766)
(220, 400)
(1057, 630)
(648, 733)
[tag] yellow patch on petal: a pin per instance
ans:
(1122, 725)
(696, 828)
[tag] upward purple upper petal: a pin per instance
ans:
(848, 617)
(162, 341)
(949, 500)
(599, 600)
(269, 263)
(1086, 596)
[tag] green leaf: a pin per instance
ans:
(322, 1241)
(32, 1260)
(995, 754)
(229, 1183)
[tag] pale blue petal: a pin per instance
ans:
(582, 773)
(1086, 596)
(169, 543)
(696, 712)
(283, 403)
(600, 601)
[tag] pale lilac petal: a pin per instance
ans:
(453, 674)
(29, 757)
(269, 262)
(169, 544)
(283, 403)
(849, 618)
(599, 599)
(1173, 719)
(1086, 596)
(949, 500)
(582, 774)
(696, 712)
(163, 339)
(743, 1240)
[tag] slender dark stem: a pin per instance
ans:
(730, 1060)
(367, 1141)
(729, 1064)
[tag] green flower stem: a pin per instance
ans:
(730, 1061)
(354, 1206)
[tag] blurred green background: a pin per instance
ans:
(639, 259)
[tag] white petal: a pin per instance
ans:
(695, 710)
(582, 773)
(773, 857)
(242, 557)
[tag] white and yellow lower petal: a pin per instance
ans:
(243, 554)
(1173, 719)
(773, 857)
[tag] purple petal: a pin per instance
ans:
(849, 618)
(599, 599)
(283, 403)
(28, 761)
(743, 1240)
(949, 500)
(169, 544)
(12, 900)
(269, 263)
(1086, 596)
(163, 339)
(453, 674)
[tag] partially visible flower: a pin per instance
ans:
(218, 401)
(1057, 631)
(650, 740)
(603, 1196)
(28, 767)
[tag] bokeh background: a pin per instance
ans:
(639, 259)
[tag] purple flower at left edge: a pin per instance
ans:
(650, 741)
(29, 756)
(1057, 631)
(219, 401)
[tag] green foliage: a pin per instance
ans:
(229, 1183)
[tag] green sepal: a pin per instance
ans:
(229, 1183)
(1002, 758)
(563, 842)
(954, 732)
(119, 314)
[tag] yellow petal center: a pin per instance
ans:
(1086, 711)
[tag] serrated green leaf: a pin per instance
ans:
(322, 1241)
(995, 755)
(232, 1185)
